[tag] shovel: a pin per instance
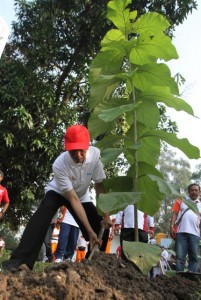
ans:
(95, 247)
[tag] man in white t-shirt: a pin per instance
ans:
(126, 221)
(73, 171)
(188, 231)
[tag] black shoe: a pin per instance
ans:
(11, 264)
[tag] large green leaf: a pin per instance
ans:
(114, 202)
(191, 205)
(146, 168)
(183, 144)
(119, 15)
(97, 127)
(164, 187)
(110, 154)
(152, 42)
(148, 114)
(118, 184)
(113, 35)
(119, 45)
(151, 24)
(105, 63)
(164, 95)
(149, 149)
(114, 113)
(110, 103)
(151, 48)
(149, 75)
(144, 256)
(109, 141)
(151, 197)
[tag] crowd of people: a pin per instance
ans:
(67, 194)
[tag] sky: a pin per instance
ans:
(188, 44)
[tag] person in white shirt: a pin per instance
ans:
(188, 230)
(67, 238)
(125, 220)
(81, 248)
(73, 171)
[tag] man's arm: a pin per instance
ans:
(172, 223)
(80, 212)
(99, 188)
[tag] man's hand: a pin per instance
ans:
(93, 240)
(151, 233)
(107, 222)
(173, 231)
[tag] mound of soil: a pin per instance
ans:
(104, 278)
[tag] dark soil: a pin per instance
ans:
(104, 278)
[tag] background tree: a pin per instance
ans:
(44, 86)
(177, 172)
(196, 176)
(9, 238)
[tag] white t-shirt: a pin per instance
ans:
(55, 235)
(164, 258)
(69, 175)
(82, 242)
(190, 222)
(68, 219)
(127, 220)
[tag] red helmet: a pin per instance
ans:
(77, 137)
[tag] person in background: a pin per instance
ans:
(73, 170)
(55, 238)
(49, 242)
(4, 199)
(81, 248)
(164, 258)
(162, 266)
(125, 221)
(188, 230)
(68, 236)
(110, 237)
(119, 251)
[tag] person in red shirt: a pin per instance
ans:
(3, 197)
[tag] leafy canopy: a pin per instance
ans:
(133, 55)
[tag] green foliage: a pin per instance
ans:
(6, 255)
(44, 87)
(30, 138)
(130, 56)
(196, 176)
(143, 255)
(8, 236)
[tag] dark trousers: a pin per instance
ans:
(128, 234)
(37, 227)
(47, 242)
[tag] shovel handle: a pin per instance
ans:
(95, 247)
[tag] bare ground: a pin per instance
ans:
(103, 278)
